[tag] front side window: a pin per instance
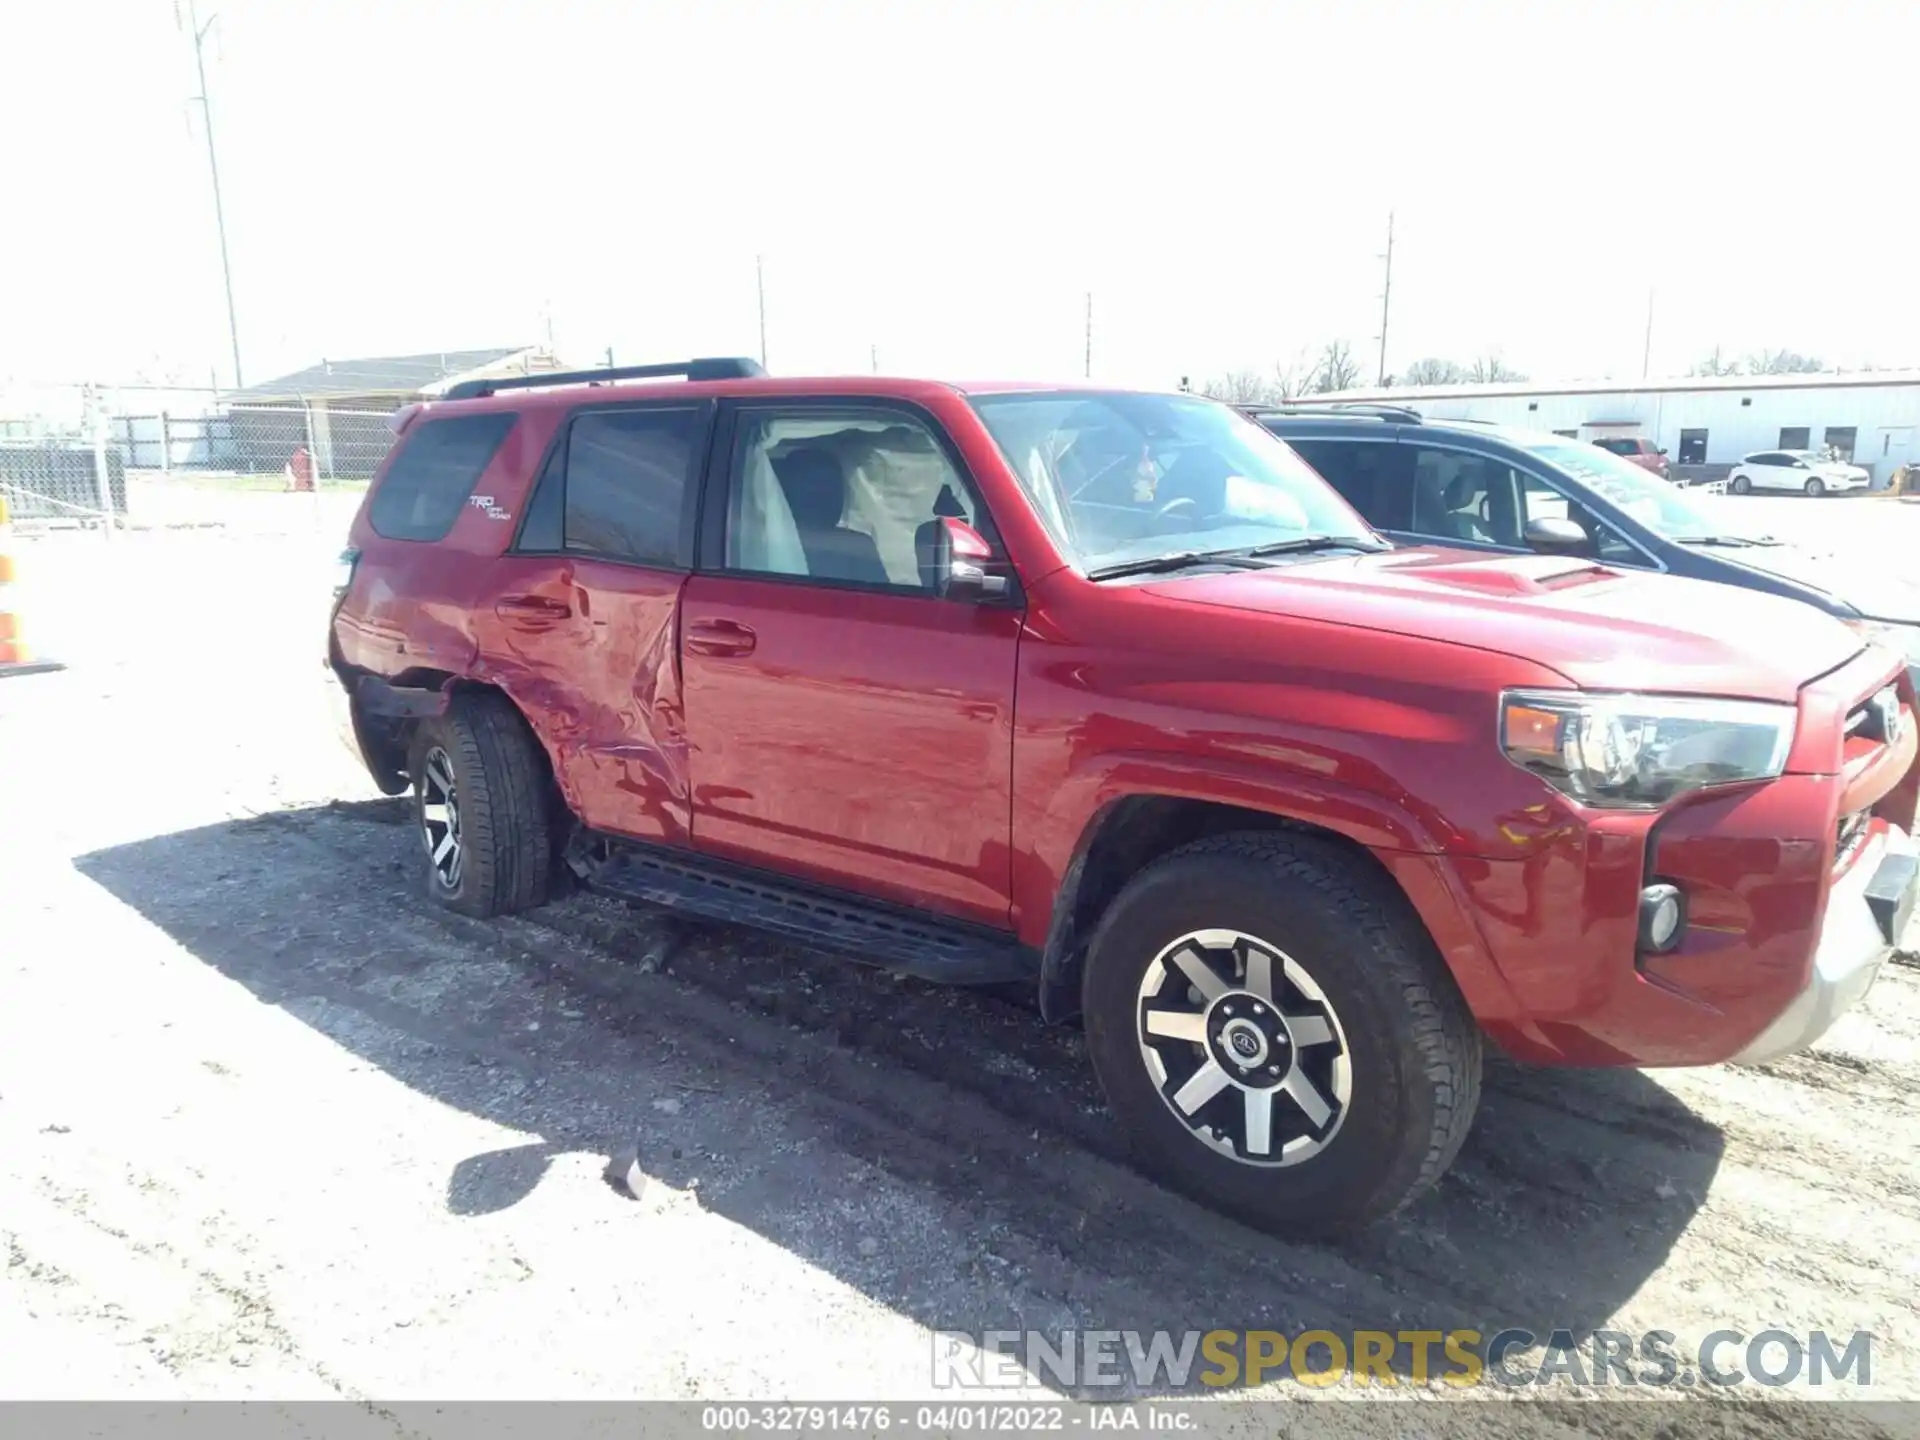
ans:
(1541, 501)
(1120, 477)
(433, 473)
(841, 495)
(1663, 508)
(1459, 496)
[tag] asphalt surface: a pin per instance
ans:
(272, 1125)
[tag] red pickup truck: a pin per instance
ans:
(1111, 695)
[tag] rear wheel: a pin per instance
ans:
(481, 809)
(1278, 1035)
(1815, 487)
(1740, 485)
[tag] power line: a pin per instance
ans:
(760, 284)
(199, 32)
(1646, 355)
(1386, 300)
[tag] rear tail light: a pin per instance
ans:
(343, 576)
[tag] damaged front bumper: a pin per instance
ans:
(1868, 910)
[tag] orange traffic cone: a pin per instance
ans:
(15, 657)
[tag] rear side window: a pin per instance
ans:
(433, 473)
(617, 487)
(1371, 475)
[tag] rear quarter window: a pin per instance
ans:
(433, 473)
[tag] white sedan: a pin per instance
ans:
(1803, 470)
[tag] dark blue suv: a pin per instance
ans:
(1485, 487)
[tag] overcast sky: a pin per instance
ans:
(945, 182)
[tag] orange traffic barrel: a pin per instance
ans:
(15, 657)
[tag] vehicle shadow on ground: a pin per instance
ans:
(820, 1104)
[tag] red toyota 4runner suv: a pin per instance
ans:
(1110, 694)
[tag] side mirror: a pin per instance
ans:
(959, 567)
(1550, 535)
(1662, 450)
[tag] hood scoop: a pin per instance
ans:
(1538, 575)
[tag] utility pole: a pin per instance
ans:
(1089, 363)
(213, 168)
(1646, 355)
(760, 284)
(873, 354)
(1386, 300)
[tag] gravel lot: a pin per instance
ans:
(273, 1126)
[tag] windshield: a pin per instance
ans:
(1122, 477)
(1657, 504)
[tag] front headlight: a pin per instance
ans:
(1636, 752)
(1905, 639)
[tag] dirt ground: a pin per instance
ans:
(271, 1125)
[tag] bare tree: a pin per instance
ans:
(1782, 362)
(1294, 378)
(1241, 387)
(1492, 370)
(1715, 364)
(1248, 386)
(1434, 371)
(1336, 369)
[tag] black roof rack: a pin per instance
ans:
(717, 368)
(1372, 411)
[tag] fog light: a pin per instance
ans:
(1663, 915)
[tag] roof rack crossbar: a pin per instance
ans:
(1339, 407)
(715, 368)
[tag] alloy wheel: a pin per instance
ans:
(440, 818)
(1244, 1048)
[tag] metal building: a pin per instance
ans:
(1705, 424)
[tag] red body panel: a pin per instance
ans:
(864, 740)
(958, 756)
(587, 651)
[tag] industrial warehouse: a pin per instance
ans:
(1705, 424)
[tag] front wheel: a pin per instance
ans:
(1740, 485)
(1278, 1034)
(1815, 488)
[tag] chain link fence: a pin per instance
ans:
(296, 441)
(108, 457)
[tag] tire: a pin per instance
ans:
(1815, 487)
(1374, 987)
(1740, 485)
(480, 765)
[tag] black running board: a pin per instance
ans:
(906, 941)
